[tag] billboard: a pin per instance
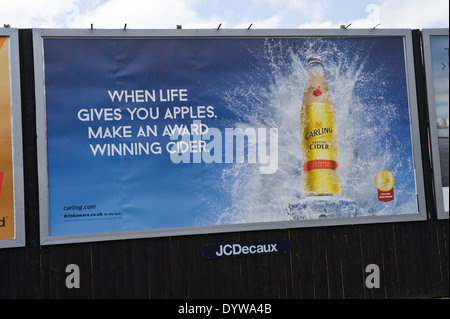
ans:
(169, 132)
(11, 175)
(435, 50)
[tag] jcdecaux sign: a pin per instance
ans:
(245, 248)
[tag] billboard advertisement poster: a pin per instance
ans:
(437, 66)
(167, 135)
(11, 228)
(6, 176)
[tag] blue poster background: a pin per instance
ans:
(249, 83)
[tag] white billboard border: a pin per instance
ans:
(40, 34)
(434, 144)
(16, 140)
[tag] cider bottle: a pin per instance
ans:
(318, 135)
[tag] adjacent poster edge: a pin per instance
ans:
(40, 34)
(16, 140)
(435, 152)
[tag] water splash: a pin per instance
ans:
(366, 146)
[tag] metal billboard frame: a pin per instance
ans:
(38, 38)
(434, 144)
(16, 140)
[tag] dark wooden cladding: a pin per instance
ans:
(323, 262)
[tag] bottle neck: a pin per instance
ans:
(314, 61)
(317, 87)
(314, 66)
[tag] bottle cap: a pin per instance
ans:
(314, 59)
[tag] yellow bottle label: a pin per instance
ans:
(320, 149)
